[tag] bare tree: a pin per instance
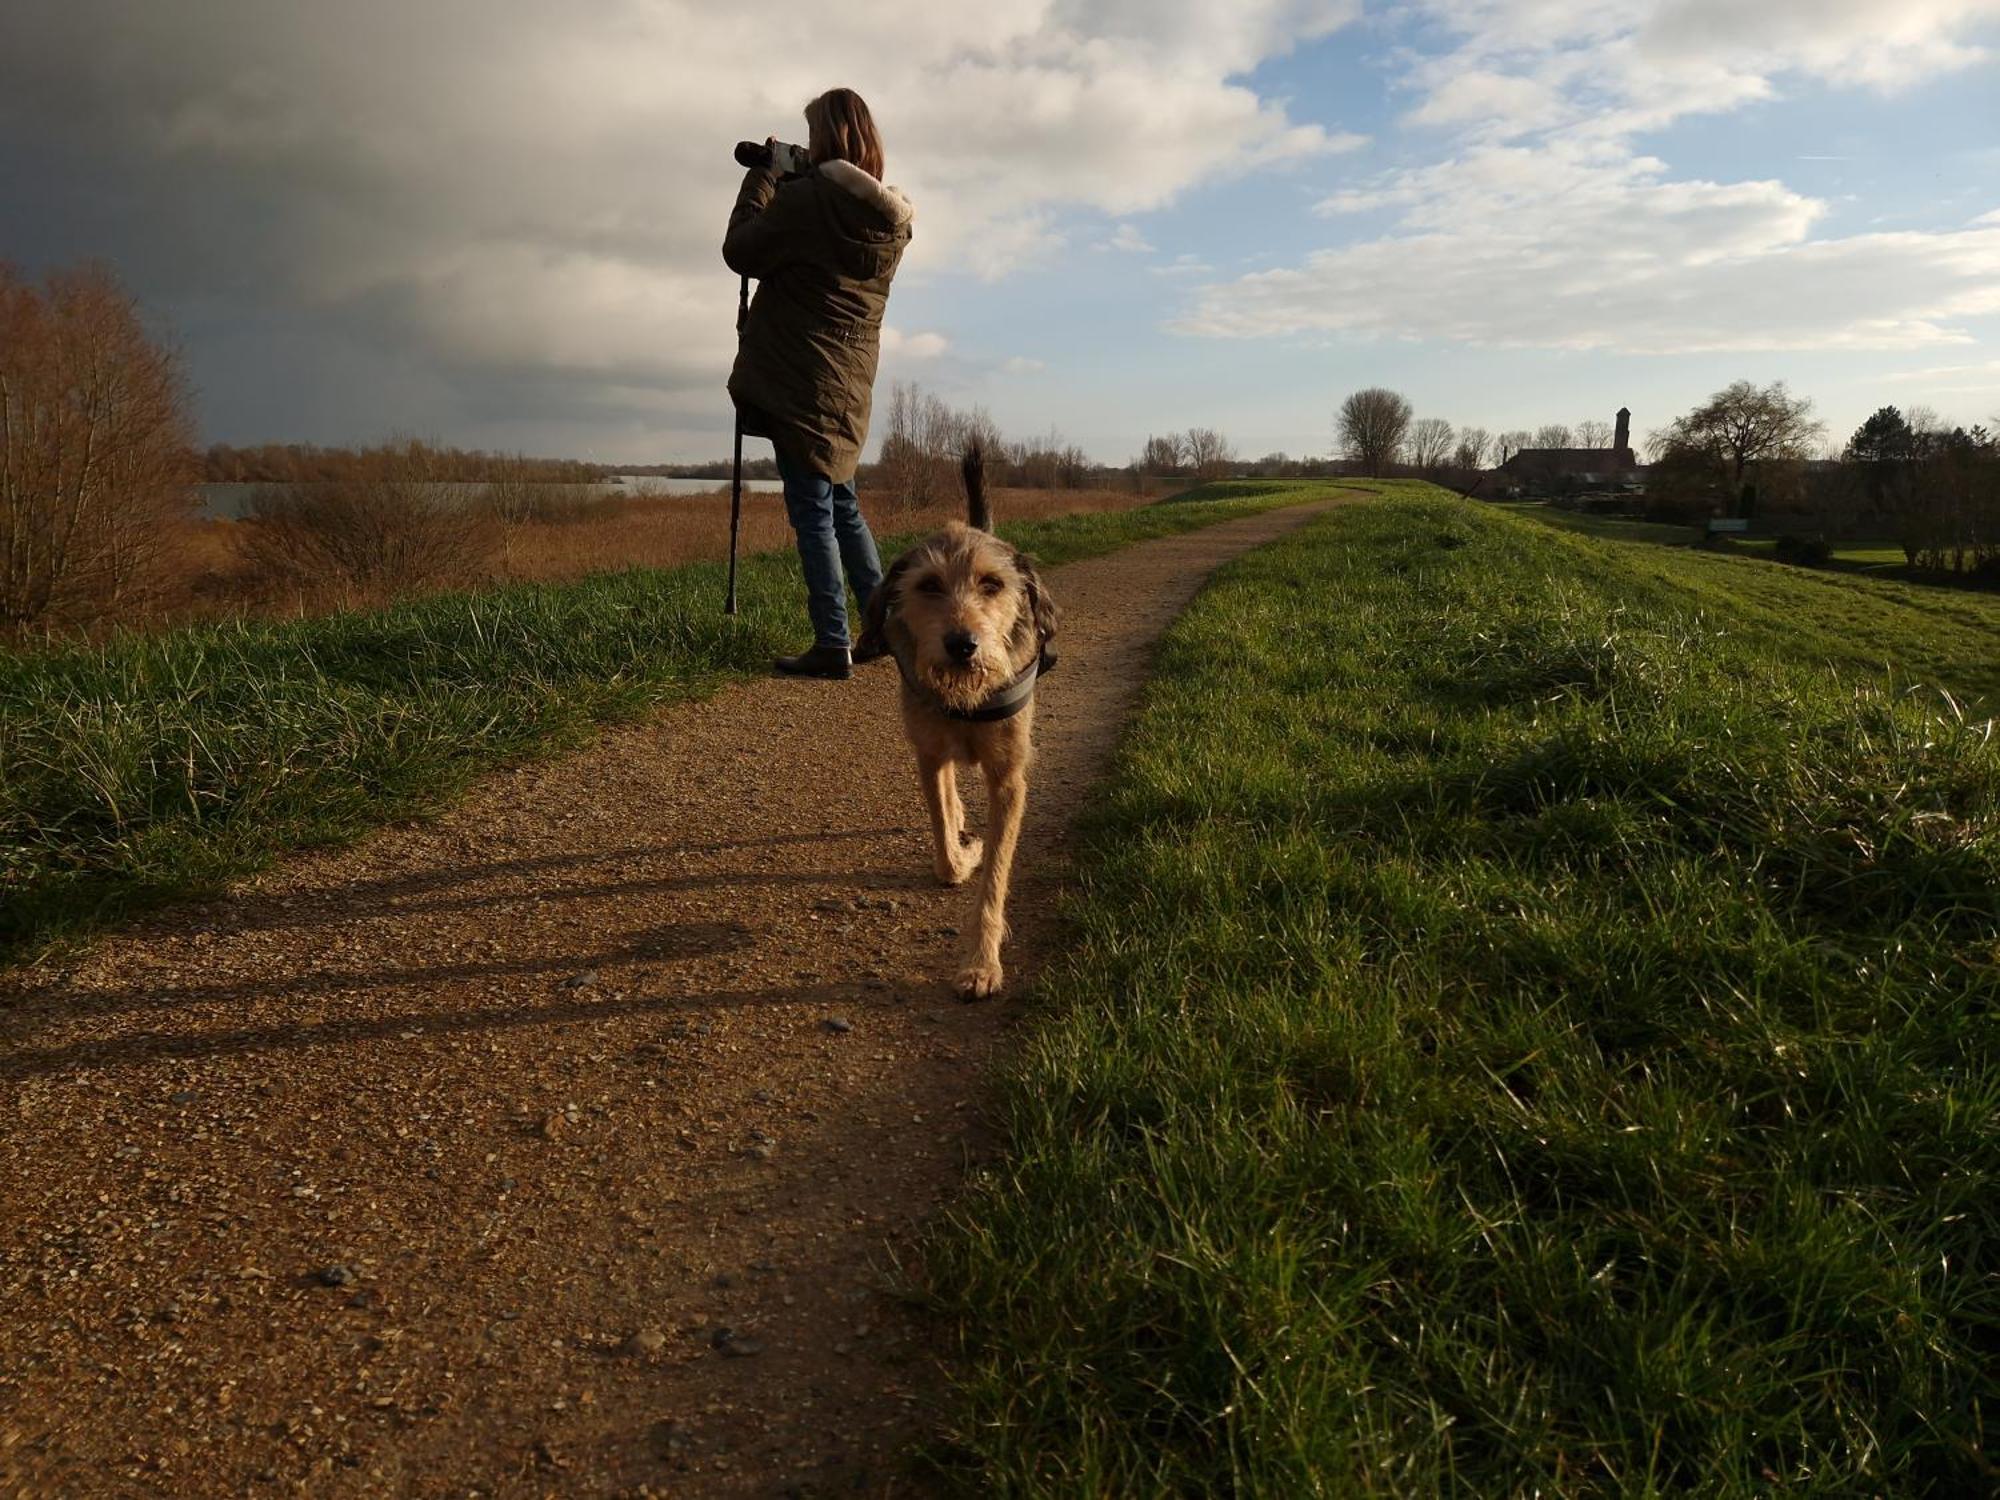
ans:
(921, 440)
(1165, 454)
(1511, 442)
(1592, 433)
(1371, 425)
(1208, 452)
(1742, 426)
(97, 455)
(1045, 463)
(1552, 435)
(1473, 445)
(1430, 443)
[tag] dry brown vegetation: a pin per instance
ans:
(99, 523)
(662, 533)
(311, 463)
(96, 459)
(300, 555)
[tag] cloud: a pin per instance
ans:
(492, 187)
(1126, 237)
(1543, 225)
(900, 347)
(1981, 380)
(1182, 265)
(1020, 364)
(1518, 66)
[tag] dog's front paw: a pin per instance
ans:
(979, 981)
(964, 863)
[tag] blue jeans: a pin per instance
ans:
(832, 533)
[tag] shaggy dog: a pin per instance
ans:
(969, 625)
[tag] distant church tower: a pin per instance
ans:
(1624, 439)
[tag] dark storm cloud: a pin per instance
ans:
(484, 218)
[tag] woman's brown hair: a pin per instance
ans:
(843, 128)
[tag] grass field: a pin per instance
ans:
(1875, 554)
(1528, 1029)
(1921, 636)
(1610, 528)
(1861, 554)
(160, 766)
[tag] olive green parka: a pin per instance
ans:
(823, 247)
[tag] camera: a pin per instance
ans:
(785, 160)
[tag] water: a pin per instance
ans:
(229, 501)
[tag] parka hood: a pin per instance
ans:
(888, 201)
(869, 220)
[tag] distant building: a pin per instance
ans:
(1574, 468)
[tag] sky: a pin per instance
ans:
(497, 223)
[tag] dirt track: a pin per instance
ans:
(364, 1181)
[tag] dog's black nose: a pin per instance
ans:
(962, 644)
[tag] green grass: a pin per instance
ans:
(161, 766)
(1528, 1028)
(1920, 635)
(1610, 528)
(1862, 554)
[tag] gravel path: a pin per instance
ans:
(564, 1145)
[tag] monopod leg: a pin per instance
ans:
(735, 517)
(736, 474)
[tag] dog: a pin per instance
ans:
(969, 624)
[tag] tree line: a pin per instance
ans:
(1378, 433)
(924, 436)
(1748, 451)
(310, 463)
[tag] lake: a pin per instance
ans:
(228, 501)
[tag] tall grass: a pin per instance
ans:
(158, 766)
(640, 531)
(1521, 1034)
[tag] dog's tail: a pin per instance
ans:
(973, 466)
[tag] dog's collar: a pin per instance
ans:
(1002, 703)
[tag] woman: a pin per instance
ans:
(823, 247)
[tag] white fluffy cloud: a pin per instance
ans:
(494, 183)
(899, 347)
(1545, 226)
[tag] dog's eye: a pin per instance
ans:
(990, 585)
(930, 586)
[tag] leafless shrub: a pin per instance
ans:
(922, 439)
(97, 466)
(516, 495)
(1046, 463)
(367, 538)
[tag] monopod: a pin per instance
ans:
(736, 476)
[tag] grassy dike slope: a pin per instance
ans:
(160, 766)
(1529, 1029)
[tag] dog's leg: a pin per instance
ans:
(1006, 801)
(953, 863)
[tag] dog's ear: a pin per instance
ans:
(875, 618)
(1041, 608)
